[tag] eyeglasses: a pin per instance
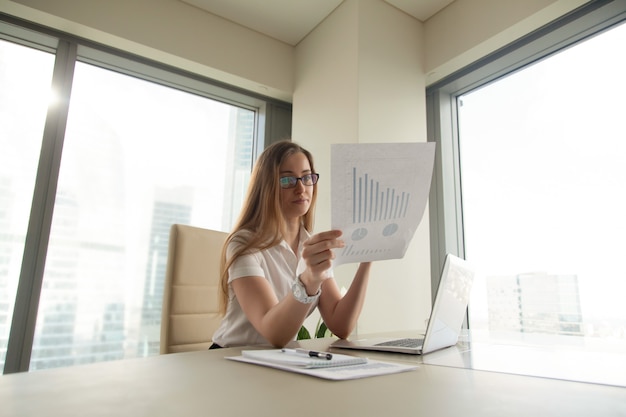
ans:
(290, 182)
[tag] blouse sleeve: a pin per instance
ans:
(245, 266)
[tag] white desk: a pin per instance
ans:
(205, 384)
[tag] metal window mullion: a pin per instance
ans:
(37, 236)
(446, 224)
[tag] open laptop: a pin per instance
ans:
(446, 318)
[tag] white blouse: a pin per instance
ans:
(279, 266)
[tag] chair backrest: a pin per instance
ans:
(190, 296)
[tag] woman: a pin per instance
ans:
(274, 273)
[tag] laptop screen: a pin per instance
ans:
(450, 304)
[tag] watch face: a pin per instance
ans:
(302, 295)
(299, 292)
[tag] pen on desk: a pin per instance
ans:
(311, 353)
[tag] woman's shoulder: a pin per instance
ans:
(239, 238)
(243, 240)
(252, 241)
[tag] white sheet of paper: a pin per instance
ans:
(378, 197)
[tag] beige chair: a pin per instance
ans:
(190, 296)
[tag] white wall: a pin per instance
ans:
(175, 33)
(360, 79)
(467, 30)
(178, 34)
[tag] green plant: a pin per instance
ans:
(321, 331)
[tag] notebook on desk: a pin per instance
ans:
(446, 318)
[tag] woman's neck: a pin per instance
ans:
(292, 234)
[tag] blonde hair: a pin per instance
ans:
(261, 215)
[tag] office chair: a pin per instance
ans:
(190, 295)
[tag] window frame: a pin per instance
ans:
(446, 202)
(272, 123)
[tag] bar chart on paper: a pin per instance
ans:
(374, 203)
(379, 193)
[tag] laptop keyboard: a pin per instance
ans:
(407, 342)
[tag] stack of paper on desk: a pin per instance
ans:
(279, 357)
(340, 367)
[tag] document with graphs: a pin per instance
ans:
(378, 193)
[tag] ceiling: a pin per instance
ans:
(291, 20)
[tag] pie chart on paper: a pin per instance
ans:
(359, 233)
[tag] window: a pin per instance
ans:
(137, 157)
(142, 147)
(532, 193)
(541, 156)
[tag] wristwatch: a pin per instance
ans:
(300, 294)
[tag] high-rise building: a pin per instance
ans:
(535, 303)
(240, 152)
(170, 206)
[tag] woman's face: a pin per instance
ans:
(295, 202)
